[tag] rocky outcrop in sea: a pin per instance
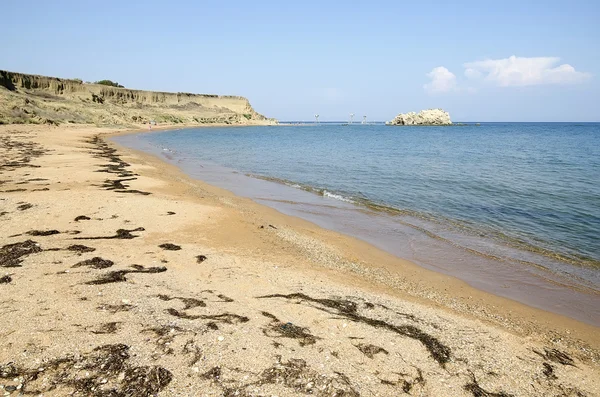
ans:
(424, 117)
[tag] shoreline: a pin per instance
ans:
(537, 288)
(251, 251)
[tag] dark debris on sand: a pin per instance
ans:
(556, 356)
(478, 391)
(82, 218)
(170, 247)
(106, 371)
(24, 207)
(19, 154)
(116, 308)
(42, 232)
(227, 318)
(189, 303)
(122, 234)
(201, 258)
(95, 263)
(107, 328)
(80, 248)
(293, 374)
(370, 350)
(11, 254)
(119, 275)
(349, 310)
(279, 329)
(5, 279)
(115, 166)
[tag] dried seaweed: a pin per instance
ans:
(119, 275)
(191, 348)
(5, 279)
(225, 298)
(549, 371)
(80, 248)
(295, 374)
(370, 350)
(107, 328)
(82, 218)
(103, 372)
(213, 374)
(227, 318)
(189, 303)
(116, 308)
(201, 258)
(556, 356)
(11, 254)
(25, 206)
(95, 263)
(170, 247)
(122, 234)
(42, 232)
(347, 309)
(288, 330)
(478, 391)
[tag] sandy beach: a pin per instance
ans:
(121, 276)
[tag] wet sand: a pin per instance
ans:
(122, 275)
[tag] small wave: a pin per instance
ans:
(337, 197)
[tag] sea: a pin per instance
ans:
(510, 208)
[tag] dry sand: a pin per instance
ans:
(123, 277)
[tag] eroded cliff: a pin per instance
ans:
(37, 99)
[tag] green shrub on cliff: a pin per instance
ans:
(110, 83)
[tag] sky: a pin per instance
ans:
(480, 60)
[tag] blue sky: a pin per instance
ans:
(480, 60)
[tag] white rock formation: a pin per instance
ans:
(424, 117)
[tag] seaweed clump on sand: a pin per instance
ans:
(11, 254)
(115, 166)
(5, 279)
(120, 234)
(119, 275)
(227, 318)
(288, 330)
(556, 356)
(478, 391)
(370, 350)
(349, 310)
(107, 328)
(189, 303)
(293, 374)
(80, 248)
(42, 232)
(170, 247)
(297, 375)
(25, 206)
(95, 263)
(105, 371)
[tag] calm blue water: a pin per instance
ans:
(533, 185)
(524, 193)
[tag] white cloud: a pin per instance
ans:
(518, 71)
(442, 80)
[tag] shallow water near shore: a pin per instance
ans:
(511, 208)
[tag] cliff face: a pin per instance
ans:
(424, 117)
(40, 99)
